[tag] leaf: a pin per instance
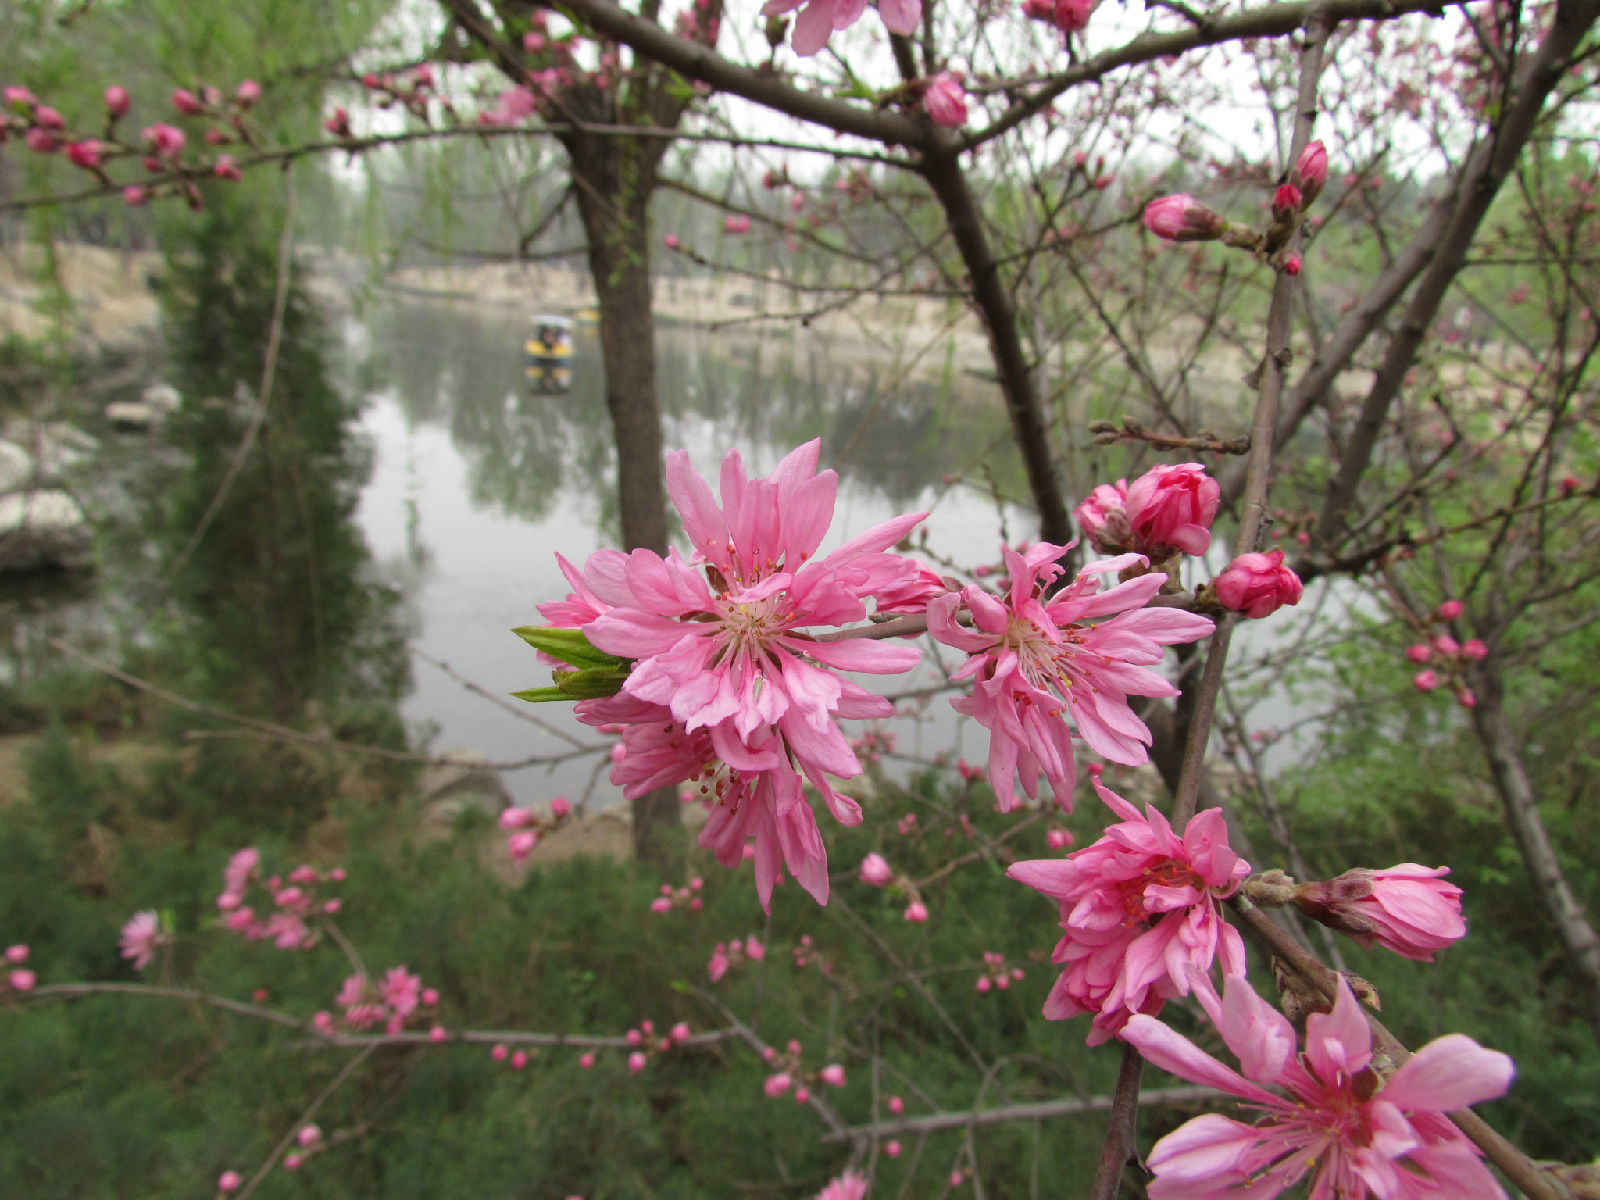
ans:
(569, 645)
(591, 684)
(542, 695)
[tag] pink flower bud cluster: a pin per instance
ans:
(1165, 512)
(647, 1043)
(805, 954)
(16, 977)
(1443, 659)
(525, 827)
(296, 903)
(695, 24)
(1408, 909)
(391, 1003)
(788, 1076)
(851, 1186)
(734, 953)
(309, 1140)
(995, 972)
(873, 744)
(682, 897)
(1069, 16)
(1258, 585)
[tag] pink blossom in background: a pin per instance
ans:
(1450, 610)
(848, 1186)
(1362, 1135)
(875, 870)
(309, 1135)
(1069, 16)
(85, 154)
(1409, 909)
(41, 141)
(1037, 660)
(1103, 517)
(1425, 681)
(22, 979)
(738, 223)
(19, 97)
(1139, 911)
(1170, 509)
(728, 687)
(1182, 218)
(46, 117)
(1258, 585)
(946, 100)
(1474, 649)
(401, 990)
(185, 102)
(247, 93)
(1286, 201)
(916, 911)
(230, 1181)
(777, 1084)
(165, 141)
(1419, 653)
(832, 1075)
(140, 937)
(16, 955)
(820, 18)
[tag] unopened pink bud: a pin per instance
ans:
(946, 100)
(515, 818)
(230, 1181)
(437, 1034)
(671, 241)
(660, 905)
(291, 1162)
(519, 1060)
(1419, 653)
(586, 1059)
(875, 871)
(520, 845)
(1408, 909)
(1258, 585)
(1181, 218)
(1467, 698)
(16, 955)
(916, 911)
(778, 1084)
(680, 1032)
(1451, 609)
(1312, 167)
(892, 1149)
(984, 983)
(637, 1061)
(832, 1075)
(896, 1105)
(1474, 649)
(802, 1094)
(186, 102)
(738, 223)
(500, 1053)
(1058, 839)
(22, 980)
(561, 808)
(1445, 644)
(1293, 264)
(117, 100)
(1425, 681)
(247, 93)
(19, 97)
(42, 141)
(1286, 201)
(309, 1135)
(46, 117)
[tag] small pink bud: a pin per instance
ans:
(777, 1084)
(680, 1032)
(291, 1162)
(22, 979)
(896, 1105)
(1181, 218)
(946, 100)
(48, 118)
(500, 1053)
(437, 1034)
(916, 911)
(802, 1094)
(1258, 585)
(892, 1149)
(561, 808)
(520, 845)
(1312, 168)
(661, 905)
(671, 241)
(875, 871)
(519, 1060)
(586, 1059)
(1467, 698)
(430, 997)
(186, 102)
(1419, 654)
(1292, 266)
(42, 141)
(1474, 649)
(984, 983)
(739, 223)
(1286, 201)
(230, 1181)
(16, 955)
(117, 100)
(247, 93)
(832, 1075)
(1450, 610)
(1425, 681)
(1058, 839)
(637, 1061)
(309, 1135)
(1445, 644)
(19, 97)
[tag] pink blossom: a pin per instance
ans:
(739, 223)
(1069, 16)
(671, 241)
(892, 1149)
(42, 141)
(46, 117)
(896, 1105)
(729, 687)
(916, 911)
(247, 93)
(1467, 698)
(560, 808)
(230, 1181)
(166, 141)
(185, 102)
(1312, 168)
(140, 937)
(802, 1095)
(437, 1034)
(22, 979)
(832, 1075)
(1103, 517)
(19, 97)
(292, 1162)
(1474, 649)
(1170, 508)
(1258, 585)
(514, 818)
(1036, 659)
(401, 990)
(1361, 1134)
(309, 1135)
(660, 905)
(500, 1052)
(226, 168)
(820, 18)
(848, 1186)
(1419, 653)
(1182, 218)
(753, 949)
(1425, 681)
(1139, 910)
(338, 123)
(680, 1032)
(519, 1060)
(875, 870)
(586, 1059)
(520, 845)
(946, 100)
(16, 955)
(777, 1083)
(1409, 909)
(718, 966)
(1450, 610)
(85, 154)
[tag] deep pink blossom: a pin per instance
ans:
(875, 870)
(1069, 16)
(738, 223)
(916, 911)
(848, 1186)
(1286, 201)
(1426, 681)
(401, 990)
(186, 102)
(1258, 585)
(1474, 649)
(1362, 1135)
(140, 937)
(1139, 911)
(1170, 508)
(1103, 517)
(1312, 167)
(1037, 660)
(1409, 909)
(117, 100)
(166, 141)
(820, 18)
(946, 100)
(1450, 610)
(1182, 218)
(729, 686)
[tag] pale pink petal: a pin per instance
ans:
(900, 16)
(1449, 1073)
(1177, 1055)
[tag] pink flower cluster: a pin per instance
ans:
(1165, 512)
(819, 19)
(1357, 1132)
(1447, 658)
(297, 902)
(646, 1044)
(848, 1186)
(996, 974)
(734, 953)
(390, 1002)
(1069, 16)
(17, 978)
(683, 897)
(1139, 911)
(787, 1073)
(525, 826)
(729, 686)
(1037, 659)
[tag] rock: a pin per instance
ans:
(16, 467)
(43, 530)
(162, 397)
(133, 416)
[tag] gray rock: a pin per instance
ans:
(16, 467)
(43, 529)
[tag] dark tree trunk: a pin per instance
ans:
(614, 179)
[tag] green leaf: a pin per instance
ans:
(569, 645)
(591, 684)
(541, 695)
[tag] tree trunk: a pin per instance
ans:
(613, 184)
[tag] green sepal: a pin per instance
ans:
(541, 695)
(569, 645)
(591, 684)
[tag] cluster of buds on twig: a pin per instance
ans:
(525, 827)
(787, 1075)
(15, 976)
(680, 897)
(996, 974)
(296, 902)
(876, 872)
(1181, 218)
(1443, 659)
(805, 954)
(391, 1002)
(733, 954)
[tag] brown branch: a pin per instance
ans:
(1107, 433)
(1037, 1110)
